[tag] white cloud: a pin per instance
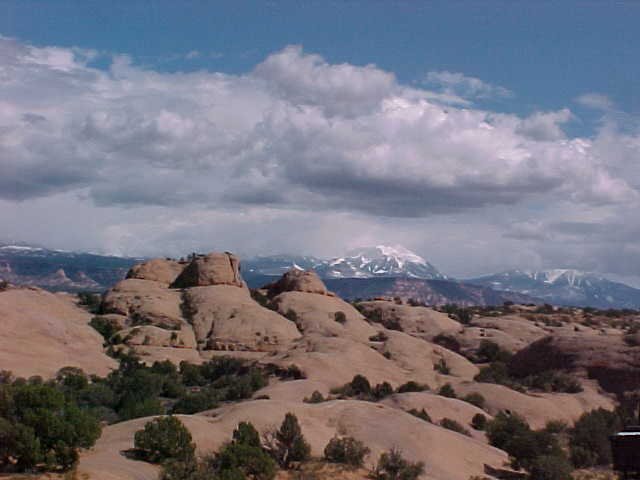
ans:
(462, 86)
(596, 101)
(286, 154)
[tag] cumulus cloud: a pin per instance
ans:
(296, 134)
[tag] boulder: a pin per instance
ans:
(212, 269)
(296, 280)
(158, 270)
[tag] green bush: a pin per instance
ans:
(346, 450)
(451, 424)
(382, 390)
(164, 438)
(412, 386)
(442, 367)
(479, 421)
(489, 352)
(316, 397)
(392, 466)
(39, 423)
(244, 457)
(340, 317)
(422, 414)
(475, 398)
(289, 443)
(551, 467)
(447, 391)
(589, 438)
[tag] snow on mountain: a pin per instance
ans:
(380, 261)
(565, 287)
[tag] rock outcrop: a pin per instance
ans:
(296, 280)
(606, 358)
(211, 269)
(43, 332)
(157, 270)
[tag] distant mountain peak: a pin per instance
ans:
(380, 261)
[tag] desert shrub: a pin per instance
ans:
(451, 424)
(553, 381)
(421, 414)
(447, 341)
(551, 467)
(475, 398)
(340, 317)
(288, 444)
(90, 301)
(382, 390)
(442, 367)
(498, 372)
(244, 456)
(196, 402)
(292, 315)
(316, 397)
(104, 327)
(479, 421)
(556, 426)
(489, 351)
(393, 466)
(447, 391)
(40, 423)
(463, 315)
(589, 438)
(346, 450)
(360, 385)
(164, 438)
(412, 386)
(512, 434)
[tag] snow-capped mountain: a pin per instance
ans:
(565, 287)
(379, 261)
(366, 262)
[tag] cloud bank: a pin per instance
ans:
(295, 136)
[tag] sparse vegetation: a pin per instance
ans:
(347, 450)
(455, 426)
(393, 466)
(447, 391)
(589, 438)
(163, 439)
(479, 421)
(288, 445)
(422, 414)
(340, 317)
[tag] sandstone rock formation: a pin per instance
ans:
(43, 332)
(298, 281)
(158, 270)
(211, 269)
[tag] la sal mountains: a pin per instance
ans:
(367, 272)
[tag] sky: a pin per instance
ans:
(484, 136)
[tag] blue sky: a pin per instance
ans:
(482, 135)
(547, 53)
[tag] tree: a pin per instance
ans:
(346, 450)
(164, 438)
(479, 421)
(392, 466)
(289, 444)
(244, 456)
(589, 438)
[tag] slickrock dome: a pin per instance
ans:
(158, 270)
(299, 281)
(211, 269)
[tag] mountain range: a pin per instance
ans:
(379, 271)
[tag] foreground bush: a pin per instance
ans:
(164, 438)
(40, 424)
(346, 450)
(589, 438)
(392, 466)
